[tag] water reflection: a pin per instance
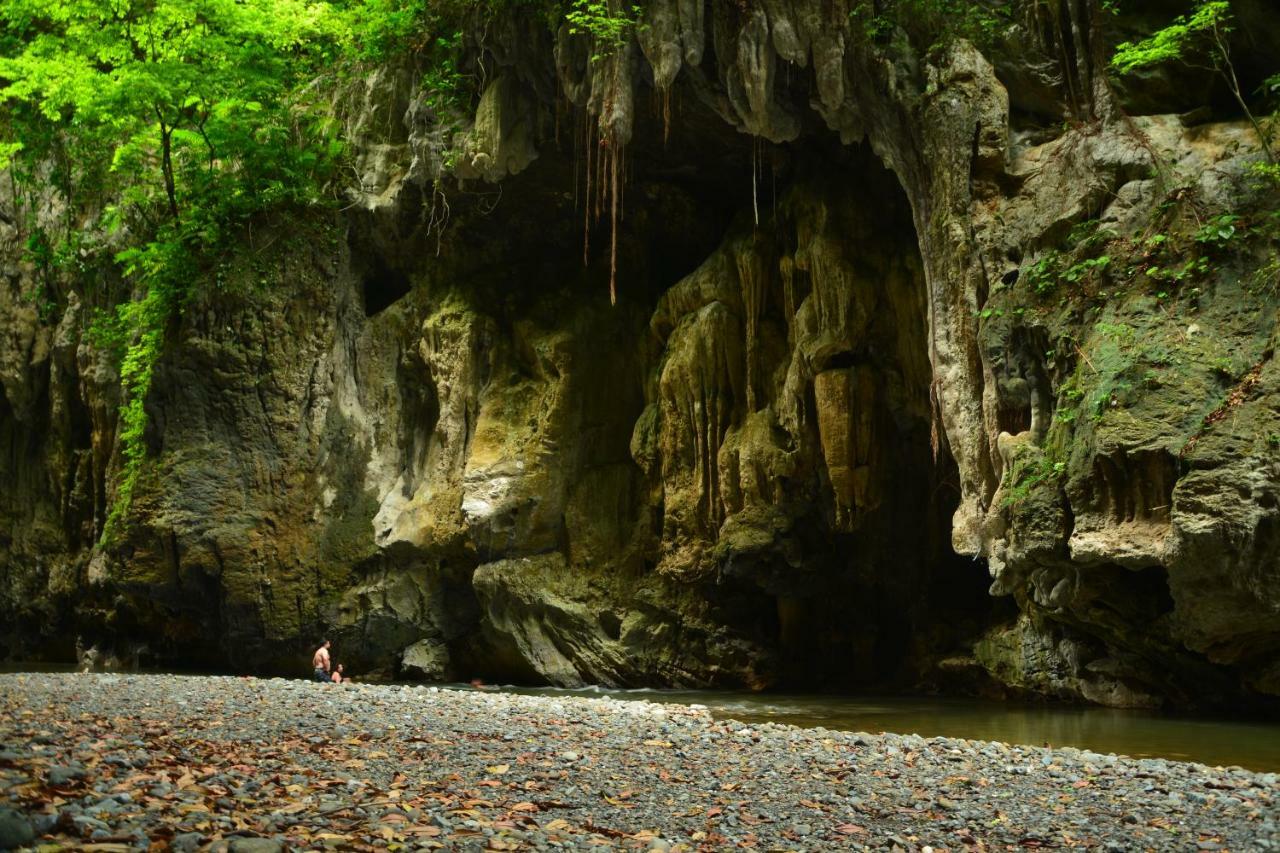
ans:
(1248, 743)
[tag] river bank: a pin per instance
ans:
(252, 764)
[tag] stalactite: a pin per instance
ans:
(773, 186)
(576, 165)
(787, 269)
(755, 156)
(753, 284)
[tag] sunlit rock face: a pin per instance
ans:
(839, 430)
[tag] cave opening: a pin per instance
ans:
(862, 589)
(383, 286)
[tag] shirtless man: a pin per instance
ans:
(320, 660)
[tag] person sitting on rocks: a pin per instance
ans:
(338, 677)
(320, 661)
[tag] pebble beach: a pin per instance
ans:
(138, 762)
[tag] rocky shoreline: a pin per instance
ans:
(119, 762)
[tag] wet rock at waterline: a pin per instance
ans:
(871, 409)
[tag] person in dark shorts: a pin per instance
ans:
(320, 662)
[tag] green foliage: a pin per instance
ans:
(1192, 40)
(1176, 42)
(1218, 231)
(1025, 476)
(1119, 332)
(1079, 271)
(1089, 234)
(142, 325)
(1052, 268)
(873, 24)
(609, 23)
(934, 22)
(1267, 174)
(181, 120)
(1042, 275)
(377, 29)
(1192, 268)
(444, 82)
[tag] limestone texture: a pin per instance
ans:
(871, 408)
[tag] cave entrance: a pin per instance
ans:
(858, 585)
(383, 286)
(871, 593)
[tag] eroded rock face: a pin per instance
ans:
(834, 405)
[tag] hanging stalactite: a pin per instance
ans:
(755, 170)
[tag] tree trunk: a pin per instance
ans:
(166, 164)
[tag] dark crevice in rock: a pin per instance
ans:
(383, 287)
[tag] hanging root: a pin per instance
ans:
(586, 207)
(666, 116)
(615, 157)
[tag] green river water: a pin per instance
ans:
(1250, 743)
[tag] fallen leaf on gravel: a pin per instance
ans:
(604, 830)
(524, 807)
(498, 769)
(419, 829)
(850, 829)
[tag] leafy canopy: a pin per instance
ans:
(1175, 42)
(179, 120)
(190, 91)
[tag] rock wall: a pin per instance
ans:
(849, 385)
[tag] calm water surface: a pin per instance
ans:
(1254, 744)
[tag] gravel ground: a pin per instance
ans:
(120, 762)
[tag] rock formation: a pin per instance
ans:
(860, 415)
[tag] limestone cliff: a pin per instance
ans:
(870, 409)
